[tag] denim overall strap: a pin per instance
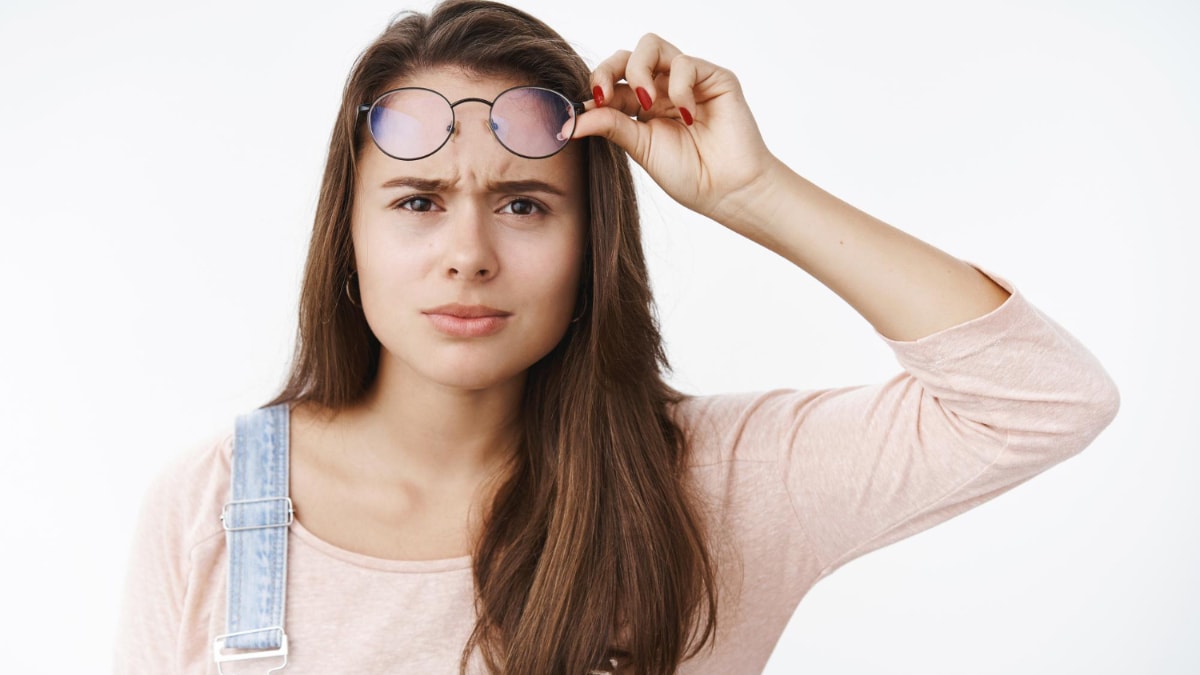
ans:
(256, 523)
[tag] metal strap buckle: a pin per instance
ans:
(225, 512)
(219, 644)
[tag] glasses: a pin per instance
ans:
(414, 122)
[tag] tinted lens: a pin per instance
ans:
(533, 122)
(411, 123)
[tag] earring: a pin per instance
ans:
(349, 295)
(582, 303)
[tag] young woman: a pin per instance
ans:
(487, 470)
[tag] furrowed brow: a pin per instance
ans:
(496, 187)
(509, 186)
(419, 184)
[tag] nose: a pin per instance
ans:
(470, 253)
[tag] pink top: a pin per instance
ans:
(801, 482)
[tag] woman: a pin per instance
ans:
(487, 471)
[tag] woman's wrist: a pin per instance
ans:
(757, 210)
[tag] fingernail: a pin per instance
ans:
(598, 95)
(687, 116)
(643, 98)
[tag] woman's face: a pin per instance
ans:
(471, 225)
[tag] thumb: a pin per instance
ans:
(616, 126)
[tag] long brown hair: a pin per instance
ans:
(595, 544)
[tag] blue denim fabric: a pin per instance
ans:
(256, 531)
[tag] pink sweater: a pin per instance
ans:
(800, 483)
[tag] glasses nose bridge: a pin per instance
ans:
(473, 99)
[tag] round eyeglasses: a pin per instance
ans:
(414, 122)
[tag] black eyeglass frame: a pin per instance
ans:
(365, 107)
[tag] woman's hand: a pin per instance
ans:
(720, 167)
(693, 132)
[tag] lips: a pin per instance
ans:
(466, 321)
(467, 311)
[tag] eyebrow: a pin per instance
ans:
(438, 185)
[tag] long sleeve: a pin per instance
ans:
(980, 408)
(798, 482)
(155, 584)
(173, 519)
(816, 478)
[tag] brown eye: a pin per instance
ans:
(522, 207)
(418, 204)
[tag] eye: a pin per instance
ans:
(418, 204)
(522, 207)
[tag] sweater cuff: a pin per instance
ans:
(971, 335)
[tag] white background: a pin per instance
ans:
(159, 166)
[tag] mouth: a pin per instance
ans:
(466, 321)
(466, 311)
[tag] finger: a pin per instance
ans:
(624, 99)
(651, 57)
(617, 127)
(681, 86)
(606, 75)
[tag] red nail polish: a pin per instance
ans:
(687, 116)
(598, 95)
(643, 98)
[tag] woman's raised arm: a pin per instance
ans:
(696, 137)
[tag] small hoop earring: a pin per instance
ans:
(582, 309)
(349, 295)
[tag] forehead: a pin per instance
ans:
(455, 82)
(472, 150)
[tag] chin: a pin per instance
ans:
(472, 365)
(474, 380)
(476, 372)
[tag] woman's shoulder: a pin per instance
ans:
(703, 414)
(185, 498)
(735, 425)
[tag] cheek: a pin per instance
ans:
(555, 272)
(389, 273)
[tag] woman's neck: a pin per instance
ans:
(435, 433)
